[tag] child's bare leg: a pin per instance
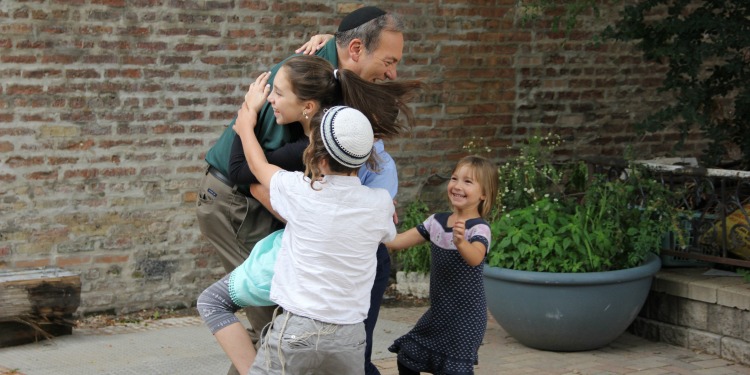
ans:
(237, 345)
(218, 312)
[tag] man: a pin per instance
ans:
(370, 43)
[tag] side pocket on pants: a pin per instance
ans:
(255, 224)
(204, 194)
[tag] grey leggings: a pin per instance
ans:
(216, 307)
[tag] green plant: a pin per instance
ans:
(706, 46)
(477, 146)
(416, 258)
(566, 19)
(745, 273)
(559, 217)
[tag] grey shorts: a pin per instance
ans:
(297, 345)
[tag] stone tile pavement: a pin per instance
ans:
(501, 354)
(184, 346)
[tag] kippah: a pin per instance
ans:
(347, 136)
(359, 17)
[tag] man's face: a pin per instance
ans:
(380, 64)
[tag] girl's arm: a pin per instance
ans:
(406, 240)
(244, 126)
(472, 252)
(263, 195)
(287, 157)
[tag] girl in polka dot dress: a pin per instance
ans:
(447, 337)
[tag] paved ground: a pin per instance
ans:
(184, 346)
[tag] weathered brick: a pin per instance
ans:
(32, 263)
(81, 173)
(82, 73)
(106, 259)
(24, 89)
(6, 146)
(69, 261)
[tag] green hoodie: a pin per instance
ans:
(270, 134)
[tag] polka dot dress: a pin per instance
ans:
(446, 338)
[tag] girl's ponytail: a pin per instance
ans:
(380, 102)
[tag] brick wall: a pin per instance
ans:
(107, 108)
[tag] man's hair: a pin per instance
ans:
(369, 32)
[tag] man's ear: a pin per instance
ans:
(356, 48)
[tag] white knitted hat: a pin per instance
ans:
(347, 135)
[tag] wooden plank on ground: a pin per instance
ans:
(37, 303)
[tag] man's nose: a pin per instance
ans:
(391, 72)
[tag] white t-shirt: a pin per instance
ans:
(326, 265)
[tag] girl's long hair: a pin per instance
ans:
(313, 78)
(380, 102)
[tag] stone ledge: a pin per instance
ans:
(692, 283)
(699, 310)
(413, 283)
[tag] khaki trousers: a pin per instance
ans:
(233, 223)
(296, 345)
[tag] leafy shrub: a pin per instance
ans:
(562, 218)
(416, 258)
(706, 45)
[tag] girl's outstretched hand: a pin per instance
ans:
(315, 43)
(258, 92)
(255, 97)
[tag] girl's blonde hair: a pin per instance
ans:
(485, 173)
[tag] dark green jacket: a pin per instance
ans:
(270, 134)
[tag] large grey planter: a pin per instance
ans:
(568, 311)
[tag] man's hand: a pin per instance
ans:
(314, 44)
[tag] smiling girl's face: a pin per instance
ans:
(287, 107)
(464, 191)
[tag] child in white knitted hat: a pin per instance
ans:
(303, 90)
(326, 265)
